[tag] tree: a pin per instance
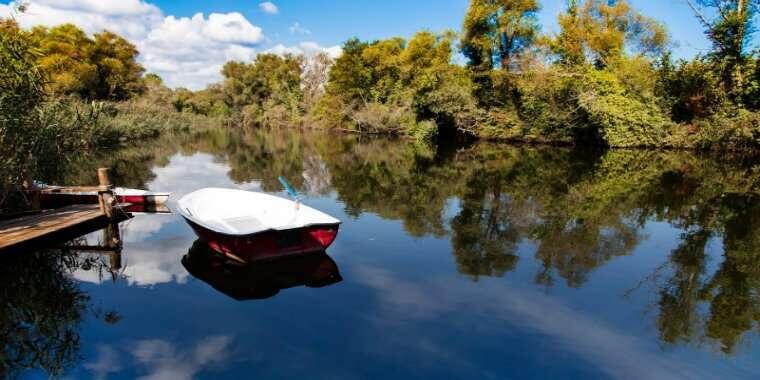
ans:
(102, 67)
(21, 92)
(119, 74)
(265, 89)
(65, 52)
(497, 31)
(602, 31)
(730, 32)
(315, 71)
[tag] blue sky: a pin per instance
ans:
(187, 42)
(332, 22)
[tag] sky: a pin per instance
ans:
(187, 42)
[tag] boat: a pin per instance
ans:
(249, 226)
(262, 279)
(54, 196)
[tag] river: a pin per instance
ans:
(470, 262)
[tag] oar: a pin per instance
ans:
(289, 189)
(293, 194)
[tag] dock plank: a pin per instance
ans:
(32, 227)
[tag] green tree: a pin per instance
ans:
(118, 71)
(600, 31)
(65, 53)
(398, 86)
(730, 31)
(497, 31)
(266, 91)
(103, 67)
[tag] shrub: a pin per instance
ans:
(692, 90)
(376, 117)
(21, 137)
(548, 102)
(732, 131)
(424, 131)
(625, 122)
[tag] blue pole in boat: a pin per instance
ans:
(289, 189)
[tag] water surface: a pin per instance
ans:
(479, 261)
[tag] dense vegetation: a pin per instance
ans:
(63, 93)
(605, 79)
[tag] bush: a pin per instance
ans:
(690, 91)
(624, 122)
(730, 131)
(423, 132)
(376, 117)
(278, 116)
(22, 137)
(548, 103)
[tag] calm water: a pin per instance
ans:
(486, 261)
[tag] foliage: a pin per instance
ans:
(267, 90)
(20, 95)
(394, 85)
(496, 31)
(103, 67)
(621, 120)
(730, 31)
(691, 89)
(600, 31)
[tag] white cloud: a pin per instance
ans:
(296, 28)
(190, 52)
(132, 19)
(108, 362)
(165, 361)
(185, 51)
(306, 48)
(269, 7)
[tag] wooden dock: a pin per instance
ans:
(48, 226)
(32, 228)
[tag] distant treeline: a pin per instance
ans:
(605, 79)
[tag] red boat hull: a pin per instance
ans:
(268, 244)
(259, 280)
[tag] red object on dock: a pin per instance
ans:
(62, 196)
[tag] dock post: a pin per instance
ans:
(105, 193)
(31, 190)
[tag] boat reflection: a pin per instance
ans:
(259, 280)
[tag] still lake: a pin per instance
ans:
(481, 261)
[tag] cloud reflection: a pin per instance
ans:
(162, 360)
(616, 353)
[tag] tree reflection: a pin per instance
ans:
(484, 235)
(573, 212)
(41, 311)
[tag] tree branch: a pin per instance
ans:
(699, 15)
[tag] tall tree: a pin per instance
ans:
(602, 31)
(118, 71)
(497, 31)
(65, 58)
(730, 31)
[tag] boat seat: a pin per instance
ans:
(241, 224)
